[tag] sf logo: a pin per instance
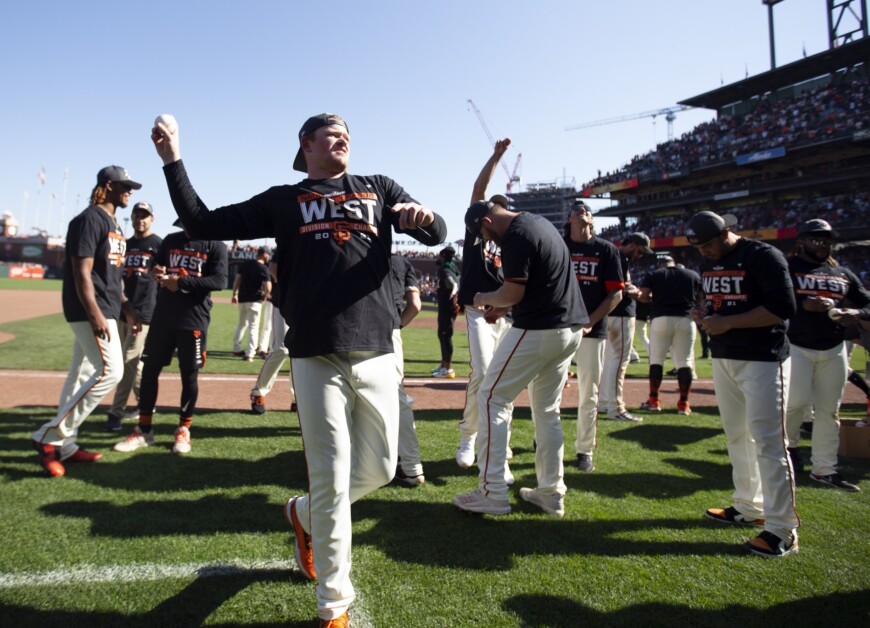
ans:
(341, 232)
(717, 300)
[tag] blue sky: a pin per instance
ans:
(83, 82)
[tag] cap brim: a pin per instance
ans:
(133, 184)
(299, 163)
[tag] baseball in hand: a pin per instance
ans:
(835, 313)
(168, 121)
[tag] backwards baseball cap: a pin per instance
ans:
(311, 125)
(665, 260)
(476, 212)
(640, 239)
(816, 226)
(704, 226)
(142, 206)
(579, 203)
(116, 174)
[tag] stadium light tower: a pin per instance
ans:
(770, 4)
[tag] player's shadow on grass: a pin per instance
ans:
(498, 540)
(192, 606)
(213, 514)
(835, 609)
(706, 476)
(665, 437)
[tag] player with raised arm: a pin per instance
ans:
(334, 231)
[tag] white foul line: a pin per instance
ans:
(86, 574)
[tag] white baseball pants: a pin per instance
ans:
(538, 359)
(267, 318)
(409, 446)
(249, 320)
(620, 334)
(752, 400)
(349, 415)
(278, 352)
(818, 379)
(674, 333)
(132, 347)
(483, 338)
(589, 359)
(96, 366)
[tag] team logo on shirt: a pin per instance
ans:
(117, 249)
(186, 262)
(338, 215)
(138, 263)
(820, 285)
(585, 268)
(724, 287)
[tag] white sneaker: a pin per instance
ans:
(552, 504)
(444, 373)
(476, 501)
(135, 440)
(132, 413)
(182, 440)
(465, 452)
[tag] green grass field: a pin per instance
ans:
(151, 539)
(138, 539)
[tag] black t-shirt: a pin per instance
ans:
(534, 254)
(673, 291)
(403, 279)
(94, 234)
(202, 265)
(335, 236)
(598, 270)
(140, 287)
(252, 275)
(627, 307)
(481, 269)
(814, 330)
(753, 274)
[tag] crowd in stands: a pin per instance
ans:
(841, 210)
(815, 115)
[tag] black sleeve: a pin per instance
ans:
(775, 280)
(248, 220)
(858, 295)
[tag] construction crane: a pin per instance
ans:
(513, 177)
(670, 114)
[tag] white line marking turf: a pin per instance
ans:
(95, 574)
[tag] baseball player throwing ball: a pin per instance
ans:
(334, 231)
(536, 352)
(818, 351)
(748, 297)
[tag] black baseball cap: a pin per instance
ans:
(116, 174)
(142, 206)
(642, 240)
(704, 226)
(311, 125)
(816, 226)
(475, 213)
(448, 252)
(264, 250)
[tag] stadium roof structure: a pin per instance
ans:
(811, 67)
